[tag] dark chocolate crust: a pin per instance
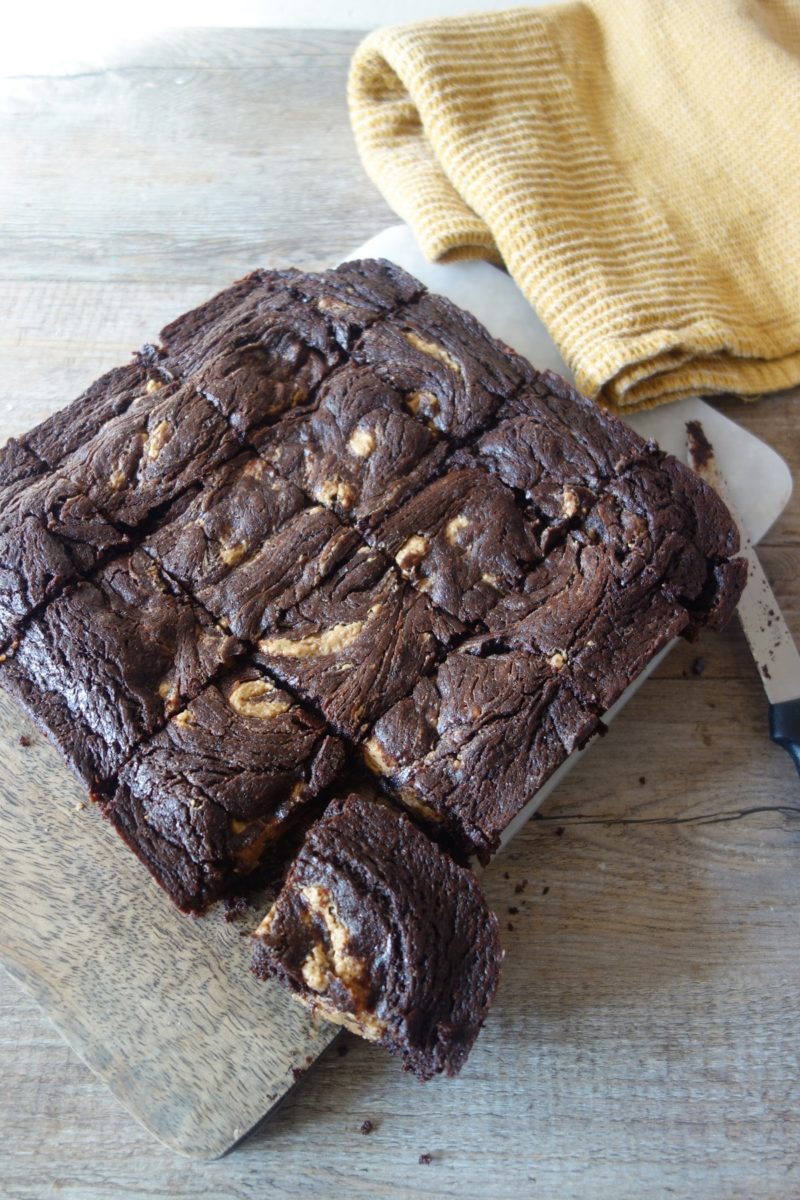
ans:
(451, 563)
(378, 927)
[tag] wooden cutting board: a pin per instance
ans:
(162, 1006)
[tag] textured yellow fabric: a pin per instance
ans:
(635, 164)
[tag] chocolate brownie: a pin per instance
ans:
(72, 427)
(475, 741)
(357, 642)
(107, 662)
(223, 780)
(463, 540)
(360, 451)
(253, 598)
(346, 485)
(241, 507)
(650, 560)
(378, 930)
(156, 450)
(557, 450)
(453, 374)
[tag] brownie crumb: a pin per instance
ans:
(520, 888)
(513, 910)
(510, 927)
(298, 1073)
(342, 1049)
(25, 740)
(367, 1127)
(698, 666)
(425, 1159)
(235, 907)
(642, 780)
(506, 875)
(559, 831)
(546, 889)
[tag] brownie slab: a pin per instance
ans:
(475, 741)
(224, 779)
(378, 930)
(346, 489)
(357, 642)
(108, 661)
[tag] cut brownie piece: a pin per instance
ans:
(378, 930)
(357, 642)
(557, 449)
(240, 507)
(108, 661)
(263, 348)
(651, 562)
(463, 540)
(475, 742)
(147, 456)
(453, 373)
(202, 800)
(360, 451)
(253, 597)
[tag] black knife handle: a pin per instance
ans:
(784, 727)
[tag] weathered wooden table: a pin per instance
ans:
(645, 1041)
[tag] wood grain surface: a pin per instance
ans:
(646, 1039)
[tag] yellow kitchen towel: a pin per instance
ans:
(634, 163)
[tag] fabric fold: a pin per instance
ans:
(632, 164)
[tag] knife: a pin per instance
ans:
(768, 636)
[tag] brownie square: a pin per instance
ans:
(557, 450)
(360, 451)
(463, 540)
(642, 570)
(475, 741)
(379, 930)
(453, 374)
(203, 800)
(240, 508)
(146, 457)
(250, 599)
(357, 642)
(50, 535)
(108, 661)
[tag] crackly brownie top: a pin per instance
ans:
(381, 931)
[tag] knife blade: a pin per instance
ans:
(772, 646)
